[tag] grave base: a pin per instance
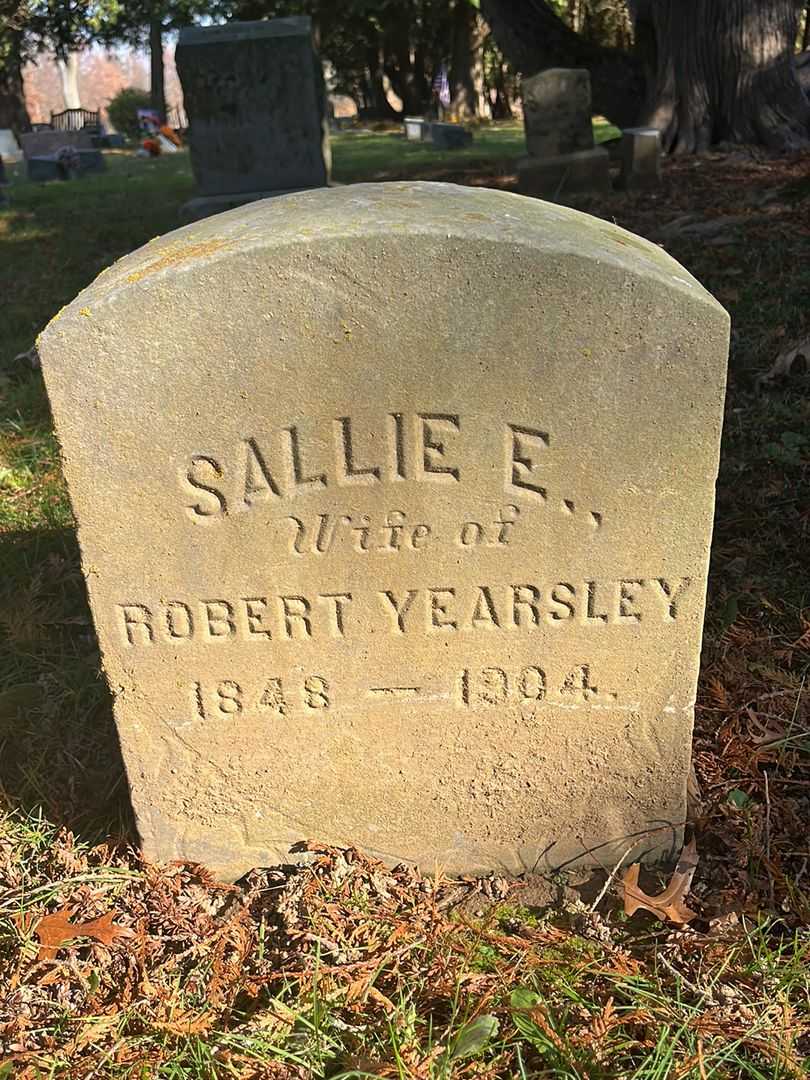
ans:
(449, 136)
(203, 206)
(48, 167)
(565, 174)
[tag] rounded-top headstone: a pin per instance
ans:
(395, 506)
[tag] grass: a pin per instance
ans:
(386, 155)
(344, 968)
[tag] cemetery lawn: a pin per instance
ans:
(345, 968)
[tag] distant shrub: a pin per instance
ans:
(123, 110)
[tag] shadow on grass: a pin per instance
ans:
(58, 745)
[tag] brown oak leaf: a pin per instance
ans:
(668, 904)
(54, 930)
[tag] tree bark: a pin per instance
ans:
(378, 99)
(467, 68)
(13, 113)
(533, 37)
(400, 57)
(69, 79)
(725, 71)
(157, 87)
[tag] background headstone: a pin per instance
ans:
(449, 136)
(42, 143)
(557, 111)
(54, 167)
(397, 534)
(256, 102)
(559, 136)
(9, 147)
(641, 158)
(417, 128)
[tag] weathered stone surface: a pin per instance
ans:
(255, 98)
(395, 505)
(206, 205)
(641, 158)
(557, 112)
(565, 174)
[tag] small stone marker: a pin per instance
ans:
(417, 128)
(256, 101)
(559, 136)
(9, 147)
(424, 578)
(641, 158)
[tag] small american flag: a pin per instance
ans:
(441, 86)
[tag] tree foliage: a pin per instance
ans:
(372, 45)
(123, 110)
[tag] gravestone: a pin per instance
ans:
(417, 128)
(256, 102)
(110, 140)
(43, 143)
(51, 167)
(427, 578)
(641, 159)
(9, 147)
(41, 169)
(449, 136)
(559, 136)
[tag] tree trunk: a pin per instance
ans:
(69, 79)
(725, 71)
(13, 113)
(533, 37)
(157, 91)
(400, 57)
(467, 69)
(704, 71)
(379, 103)
(806, 34)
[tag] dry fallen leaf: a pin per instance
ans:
(784, 362)
(54, 930)
(728, 296)
(668, 904)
